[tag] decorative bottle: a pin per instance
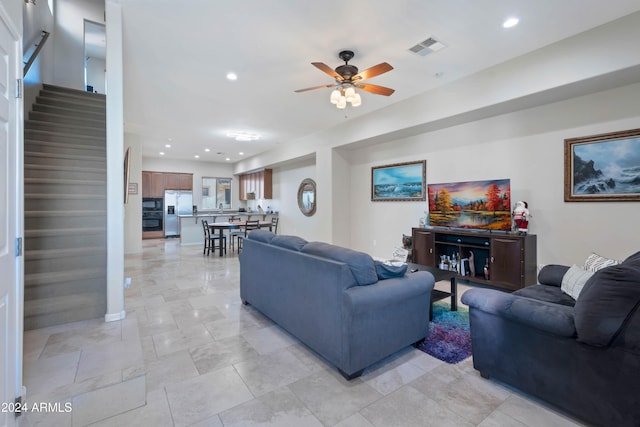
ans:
(486, 269)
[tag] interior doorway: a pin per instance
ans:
(95, 57)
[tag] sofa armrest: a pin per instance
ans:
(544, 316)
(389, 291)
(552, 274)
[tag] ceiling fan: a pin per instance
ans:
(348, 79)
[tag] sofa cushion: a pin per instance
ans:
(546, 293)
(633, 260)
(608, 299)
(595, 262)
(574, 280)
(294, 243)
(261, 236)
(361, 264)
(388, 271)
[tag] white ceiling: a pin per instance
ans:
(177, 55)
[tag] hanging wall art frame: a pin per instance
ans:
(399, 182)
(602, 168)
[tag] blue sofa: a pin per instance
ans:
(331, 298)
(582, 355)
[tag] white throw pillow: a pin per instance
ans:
(573, 281)
(596, 262)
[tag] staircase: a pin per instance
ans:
(65, 179)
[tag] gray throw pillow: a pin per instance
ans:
(574, 280)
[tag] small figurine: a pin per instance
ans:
(521, 217)
(260, 210)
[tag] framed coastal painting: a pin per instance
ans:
(603, 167)
(399, 182)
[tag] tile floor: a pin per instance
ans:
(204, 359)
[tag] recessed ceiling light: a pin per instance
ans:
(207, 150)
(511, 22)
(162, 153)
(196, 156)
(243, 136)
(227, 159)
(232, 76)
(241, 153)
(167, 145)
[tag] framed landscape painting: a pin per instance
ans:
(602, 167)
(482, 205)
(399, 182)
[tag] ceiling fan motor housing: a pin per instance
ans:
(346, 71)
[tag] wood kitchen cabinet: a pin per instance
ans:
(259, 183)
(152, 184)
(511, 258)
(178, 181)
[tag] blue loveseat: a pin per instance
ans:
(331, 298)
(580, 355)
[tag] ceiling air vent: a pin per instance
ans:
(426, 47)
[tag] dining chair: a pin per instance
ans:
(274, 224)
(234, 234)
(211, 238)
(249, 225)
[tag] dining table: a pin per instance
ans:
(233, 225)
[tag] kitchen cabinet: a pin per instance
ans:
(152, 184)
(178, 181)
(258, 183)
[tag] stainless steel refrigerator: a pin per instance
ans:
(176, 203)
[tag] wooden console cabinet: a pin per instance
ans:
(511, 258)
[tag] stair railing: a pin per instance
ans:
(39, 46)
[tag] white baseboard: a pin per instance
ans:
(112, 317)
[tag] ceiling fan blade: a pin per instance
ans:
(378, 90)
(376, 70)
(325, 68)
(312, 88)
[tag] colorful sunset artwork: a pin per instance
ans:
(471, 204)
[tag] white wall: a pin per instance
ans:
(525, 146)
(96, 69)
(286, 180)
(68, 40)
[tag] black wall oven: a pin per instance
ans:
(152, 214)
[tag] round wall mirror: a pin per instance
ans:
(307, 197)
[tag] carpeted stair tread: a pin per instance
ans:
(78, 157)
(63, 168)
(66, 213)
(70, 103)
(33, 279)
(63, 127)
(67, 112)
(66, 137)
(37, 116)
(62, 147)
(61, 181)
(74, 231)
(58, 196)
(63, 253)
(46, 87)
(61, 304)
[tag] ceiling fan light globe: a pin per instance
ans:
(335, 96)
(350, 93)
(342, 103)
(357, 100)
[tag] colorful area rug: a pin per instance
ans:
(449, 337)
